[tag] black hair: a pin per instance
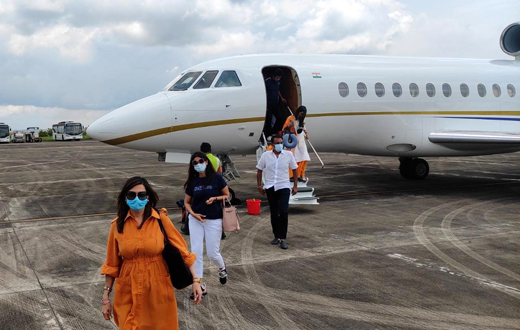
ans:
(278, 73)
(301, 109)
(192, 174)
(123, 208)
(276, 136)
(205, 147)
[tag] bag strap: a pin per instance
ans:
(162, 228)
(224, 202)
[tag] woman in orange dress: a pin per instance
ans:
(144, 298)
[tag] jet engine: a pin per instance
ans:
(510, 40)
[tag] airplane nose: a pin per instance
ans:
(135, 122)
(100, 130)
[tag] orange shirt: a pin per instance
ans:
(143, 295)
(287, 121)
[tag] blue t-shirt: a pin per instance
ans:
(200, 194)
(272, 87)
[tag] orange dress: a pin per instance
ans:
(144, 298)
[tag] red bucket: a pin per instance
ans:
(253, 206)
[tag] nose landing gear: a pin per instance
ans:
(413, 168)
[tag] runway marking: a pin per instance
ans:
(418, 264)
(448, 233)
(421, 237)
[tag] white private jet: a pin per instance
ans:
(371, 105)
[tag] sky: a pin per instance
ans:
(78, 60)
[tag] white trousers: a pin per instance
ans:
(211, 230)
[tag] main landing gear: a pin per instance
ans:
(413, 168)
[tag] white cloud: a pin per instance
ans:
(71, 42)
(23, 116)
(43, 5)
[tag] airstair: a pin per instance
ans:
(305, 195)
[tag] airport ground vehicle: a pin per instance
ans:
(4, 133)
(18, 137)
(67, 130)
(32, 134)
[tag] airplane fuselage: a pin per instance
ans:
(381, 124)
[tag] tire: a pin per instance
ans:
(419, 169)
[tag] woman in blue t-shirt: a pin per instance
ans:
(205, 192)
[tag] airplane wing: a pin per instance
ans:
(463, 137)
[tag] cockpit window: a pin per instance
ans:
(206, 80)
(228, 79)
(186, 81)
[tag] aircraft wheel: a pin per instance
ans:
(419, 169)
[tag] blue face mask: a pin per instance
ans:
(200, 167)
(278, 147)
(136, 204)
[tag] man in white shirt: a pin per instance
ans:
(275, 165)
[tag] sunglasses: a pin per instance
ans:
(201, 161)
(142, 195)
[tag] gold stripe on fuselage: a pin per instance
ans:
(165, 130)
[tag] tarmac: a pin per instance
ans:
(379, 252)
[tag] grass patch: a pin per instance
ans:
(51, 138)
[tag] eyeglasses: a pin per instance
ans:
(201, 161)
(142, 195)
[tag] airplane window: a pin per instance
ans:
(481, 90)
(228, 79)
(186, 81)
(446, 90)
(362, 89)
(380, 90)
(430, 90)
(206, 80)
(511, 90)
(343, 89)
(396, 88)
(496, 90)
(464, 90)
(414, 90)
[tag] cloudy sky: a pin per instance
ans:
(77, 60)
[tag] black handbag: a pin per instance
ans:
(180, 275)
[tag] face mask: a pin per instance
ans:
(200, 167)
(278, 147)
(136, 204)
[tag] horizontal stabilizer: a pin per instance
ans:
(474, 137)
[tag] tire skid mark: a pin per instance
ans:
(74, 314)
(448, 233)
(376, 313)
(421, 237)
(252, 278)
(27, 304)
(74, 248)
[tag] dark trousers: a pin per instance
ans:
(272, 110)
(278, 205)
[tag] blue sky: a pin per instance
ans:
(76, 60)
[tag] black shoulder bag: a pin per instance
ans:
(180, 275)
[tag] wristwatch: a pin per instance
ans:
(196, 280)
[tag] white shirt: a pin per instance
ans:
(276, 169)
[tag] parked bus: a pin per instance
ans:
(67, 130)
(5, 133)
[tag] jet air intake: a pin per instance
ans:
(510, 40)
